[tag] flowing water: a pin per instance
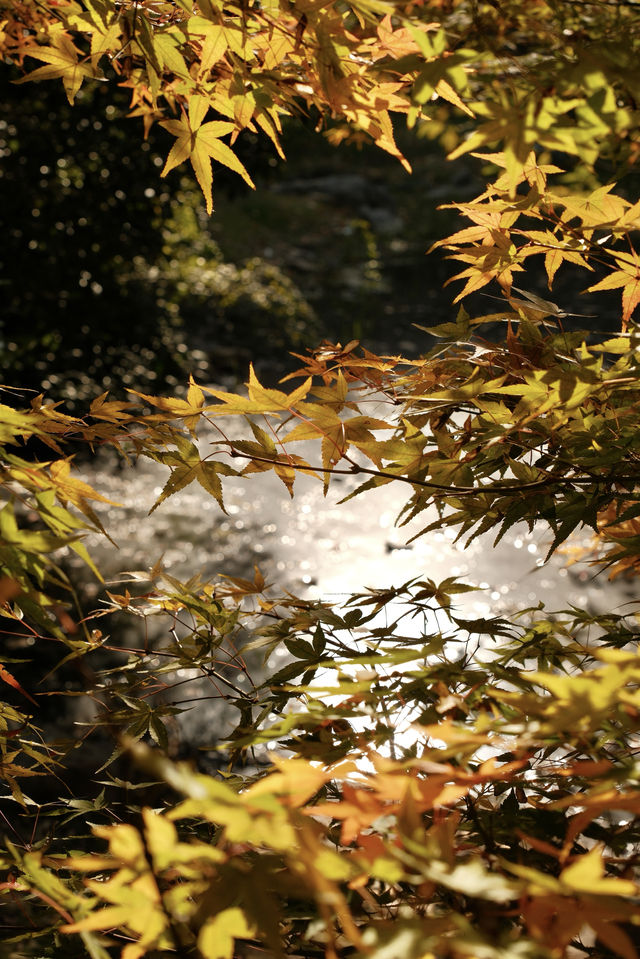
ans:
(317, 548)
(354, 249)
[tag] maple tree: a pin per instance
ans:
(467, 788)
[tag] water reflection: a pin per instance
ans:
(319, 549)
(314, 545)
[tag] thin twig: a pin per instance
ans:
(549, 481)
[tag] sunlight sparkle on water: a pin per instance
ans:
(325, 551)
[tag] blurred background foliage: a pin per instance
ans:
(114, 279)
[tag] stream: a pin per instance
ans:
(354, 249)
(317, 548)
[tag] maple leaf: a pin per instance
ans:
(189, 410)
(533, 172)
(62, 61)
(187, 466)
(443, 71)
(260, 399)
(600, 209)
(200, 144)
(105, 30)
(112, 411)
(556, 250)
(400, 42)
(371, 113)
(10, 680)
(70, 489)
(519, 124)
(586, 874)
(626, 276)
(358, 809)
(214, 46)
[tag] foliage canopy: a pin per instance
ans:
(411, 782)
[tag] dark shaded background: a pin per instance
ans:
(112, 277)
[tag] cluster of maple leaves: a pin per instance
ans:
(506, 824)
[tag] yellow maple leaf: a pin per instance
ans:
(586, 874)
(626, 276)
(62, 60)
(200, 143)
